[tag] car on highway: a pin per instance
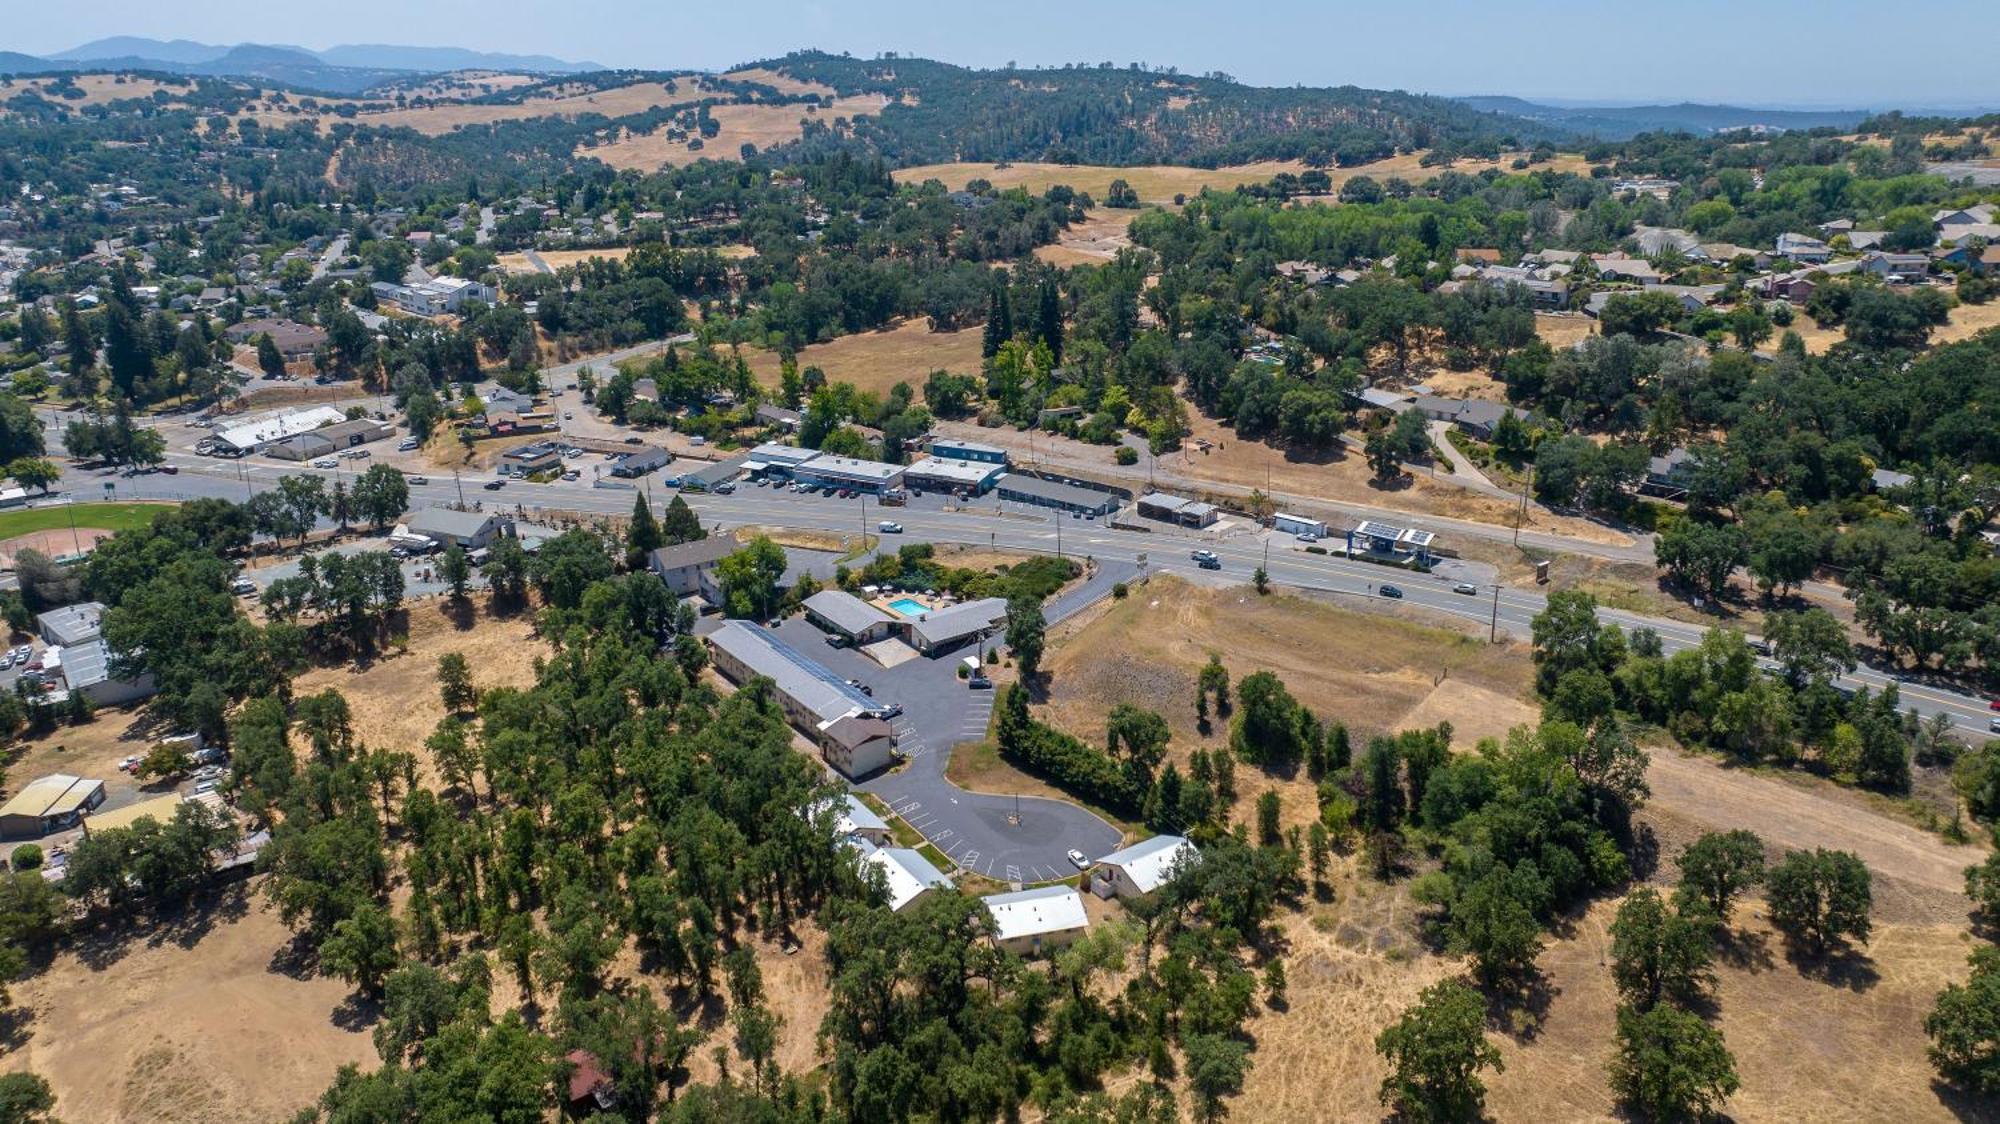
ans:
(417, 479)
(1204, 556)
(1466, 588)
(170, 470)
(726, 488)
(568, 416)
(1391, 591)
(1307, 537)
(1993, 724)
(494, 485)
(889, 528)
(572, 474)
(1077, 859)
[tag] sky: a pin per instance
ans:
(1763, 52)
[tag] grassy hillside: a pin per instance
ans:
(1126, 116)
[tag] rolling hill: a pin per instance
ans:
(1621, 122)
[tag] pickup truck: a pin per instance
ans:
(1206, 559)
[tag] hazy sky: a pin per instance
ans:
(1805, 52)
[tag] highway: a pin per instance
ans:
(991, 523)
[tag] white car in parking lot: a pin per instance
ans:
(889, 528)
(326, 462)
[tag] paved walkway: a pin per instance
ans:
(1463, 471)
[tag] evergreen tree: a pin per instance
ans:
(644, 535)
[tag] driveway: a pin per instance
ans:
(1001, 837)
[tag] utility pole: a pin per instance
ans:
(461, 488)
(75, 539)
(1493, 633)
(1523, 515)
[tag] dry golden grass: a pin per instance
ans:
(192, 1030)
(395, 699)
(557, 259)
(1094, 241)
(783, 83)
(1159, 183)
(876, 361)
(1155, 183)
(102, 89)
(758, 124)
(1563, 331)
(436, 120)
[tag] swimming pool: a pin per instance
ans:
(909, 606)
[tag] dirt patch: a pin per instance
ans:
(1094, 241)
(1801, 813)
(876, 361)
(557, 259)
(192, 1025)
(1564, 331)
(54, 544)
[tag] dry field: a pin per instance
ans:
(783, 83)
(1094, 241)
(436, 120)
(1966, 321)
(1807, 1048)
(98, 89)
(1159, 183)
(395, 699)
(557, 259)
(876, 361)
(189, 1025)
(761, 125)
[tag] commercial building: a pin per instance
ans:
(948, 448)
(71, 624)
(446, 526)
(721, 472)
(1298, 525)
(843, 614)
(1017, 488)
(254, 435)
(328, 440)
(541, 456)
(941, 474)
(1143, 867)
(906, 875)
(847, 472)
(51, 803)
(816, 701)
(87, 671)
(1387, 541)
(640, 461)
(778, 459)
(941, 630)
(689, 568)
(160, 809)
(435, 297)
(1043, 919)
(1177, 510)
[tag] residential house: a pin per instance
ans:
(1896, 267)
(906, 875)
(1655, 241)
(1030, 922)
(294, 341)
(1803, 248)
(1476, 417)
(1613, 267)
(688, 568)
(1138, 870)
(1671, 472)
(778, 416)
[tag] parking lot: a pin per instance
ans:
(1024, 840)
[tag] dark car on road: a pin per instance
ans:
(1391, 591)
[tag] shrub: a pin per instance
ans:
(1119, 591)
(27, 856)
(1126, 455)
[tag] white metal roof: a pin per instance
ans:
(1036, 912)
(1150, 862)
(849, 468)
(957, 471)
(277, 427)
(908, 873)
(857, 816)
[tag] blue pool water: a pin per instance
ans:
(909, 606)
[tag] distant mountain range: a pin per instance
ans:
(349, 68)
(1621, 122)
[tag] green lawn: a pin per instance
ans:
(104, 516)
